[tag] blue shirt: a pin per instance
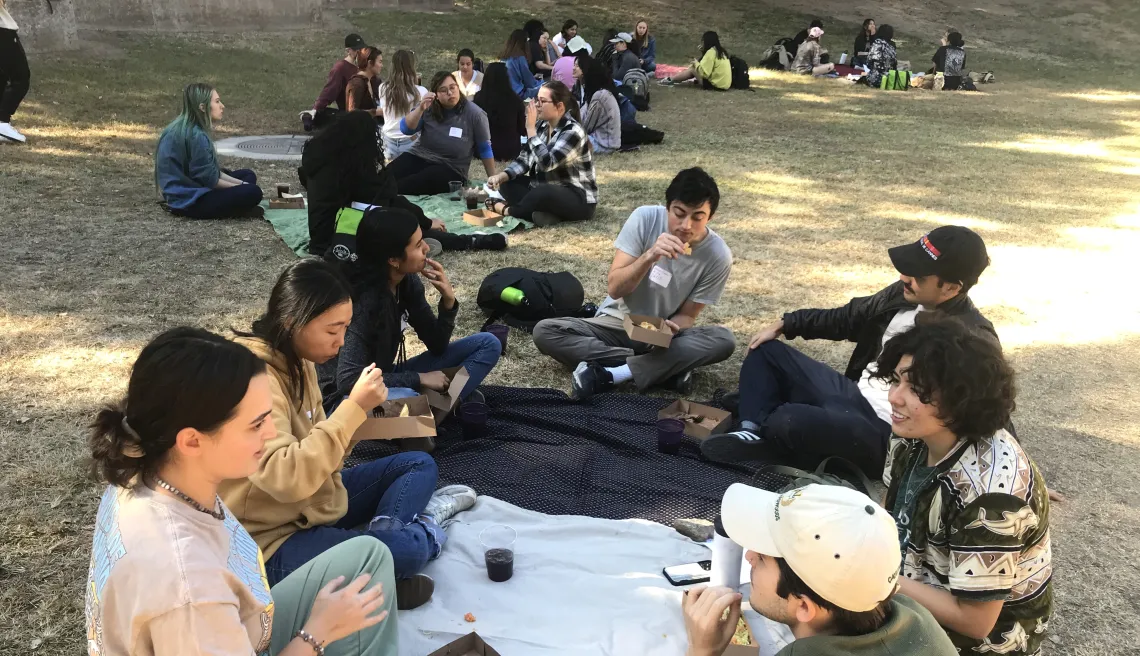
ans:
(522, 81)
(185, 170)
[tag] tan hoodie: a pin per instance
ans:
(298, 484)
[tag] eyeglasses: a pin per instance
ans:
(539, 102)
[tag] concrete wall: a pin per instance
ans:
(44, 25)
(405, 5)
(178, 15)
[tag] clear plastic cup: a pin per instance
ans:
(499, 551)
(455, 187)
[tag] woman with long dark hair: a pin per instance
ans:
(344, 172)
(863, 42)
(713, 69)
(186, 167)
(882, 58)
(602, 116)
(569, 31)
(360, 94)
(171, 565)
(302, 501)
(515, 56)
(452, 130)
(506, 112)
(469, 79)
(389, 293)
(552, 180)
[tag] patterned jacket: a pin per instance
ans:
(559, 157)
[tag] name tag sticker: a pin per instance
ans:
(659, 276)
(456, 132)
(523, 140)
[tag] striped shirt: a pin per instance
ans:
(561, 157)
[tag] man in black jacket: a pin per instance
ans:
(796, 410)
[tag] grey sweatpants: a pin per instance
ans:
(603, 339)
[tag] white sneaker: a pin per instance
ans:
(449, 501)
(9, 132)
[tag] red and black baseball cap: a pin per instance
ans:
(354, 41)
(953, 253)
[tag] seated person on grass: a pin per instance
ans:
(825, 562)
(452, 131)
(668, 264)
(882, 58)
(186, 165)
(714, 70)
(360, 94)
(802, 36)
(807, 61)
(797, 410)
(950, 60)
(624, 59)
(645, 46)
(172, 570)
(515, 56)
(335, 90)
(397, 97)
(863, 42)
(469, 79)
(552, 179)
(972, 508)
(602, 121)
(343, 165)
(302, 501)
(389, 295)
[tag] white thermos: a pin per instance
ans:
(843, 59)
(727, 557)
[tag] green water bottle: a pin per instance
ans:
(512, 295)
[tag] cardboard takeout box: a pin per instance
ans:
(482, 218)
(442, 403)
(385, 423)
(286, 203)
(660, 337)
(469, 645)
(715, 420)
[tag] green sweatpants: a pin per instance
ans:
(293, 597)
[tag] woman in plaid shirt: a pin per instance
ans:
(552, 179)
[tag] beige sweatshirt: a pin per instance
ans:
(298, 483)
(169, 580)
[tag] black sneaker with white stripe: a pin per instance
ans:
(734, 447)
(590, 378)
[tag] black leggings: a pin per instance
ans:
(224, 203)
(416, 176)
(15, 76)
(566, 203)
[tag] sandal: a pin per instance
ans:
(492, 203)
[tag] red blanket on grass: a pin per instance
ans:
(665, 70)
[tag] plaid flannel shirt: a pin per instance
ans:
(562, 158)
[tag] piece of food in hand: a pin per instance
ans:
(743, 635)
(688, 249)
(405, 412)
(648, 326)
(468, 618)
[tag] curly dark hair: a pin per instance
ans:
(959, 370)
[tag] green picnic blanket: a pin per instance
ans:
(293, 225)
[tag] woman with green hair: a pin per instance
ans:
(186, 164)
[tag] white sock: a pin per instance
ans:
(620, 374)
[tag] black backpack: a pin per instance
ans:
(546, 296)
(739, 73)
(636, 134)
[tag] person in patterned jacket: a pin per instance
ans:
(971, 508)
(552, 180)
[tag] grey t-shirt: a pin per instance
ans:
(699, 277)
(454, 140)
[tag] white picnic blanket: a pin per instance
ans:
(582, 586)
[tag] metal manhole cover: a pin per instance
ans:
(280, 147)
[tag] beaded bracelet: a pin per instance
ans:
(308, 637)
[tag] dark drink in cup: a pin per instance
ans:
(472, 200)
(282, 189)
(500, 564)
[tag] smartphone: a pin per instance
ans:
(690, 574)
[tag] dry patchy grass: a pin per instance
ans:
(818, 179)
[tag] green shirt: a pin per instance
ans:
(910, 629)
(979, 529)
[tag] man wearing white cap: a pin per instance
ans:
(825, 561)
(624, 60)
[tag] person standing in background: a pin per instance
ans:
(15, 76)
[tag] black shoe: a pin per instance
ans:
(731, 448)
(425, 444)
(731, 402)
(590, 378)
(255, 212)
(681, 383)
(414, 592)
(492, 242)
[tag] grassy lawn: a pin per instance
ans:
(817, 177)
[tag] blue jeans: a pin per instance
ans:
(398, 488)
(221, 203)
(649, 66)
(478, 353)
(393, 148)
(599, 149)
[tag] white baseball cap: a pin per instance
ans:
(842, 544)
(622, 37)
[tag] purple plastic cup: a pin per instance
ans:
(501, 331)
(669, 434)
(473, 417)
